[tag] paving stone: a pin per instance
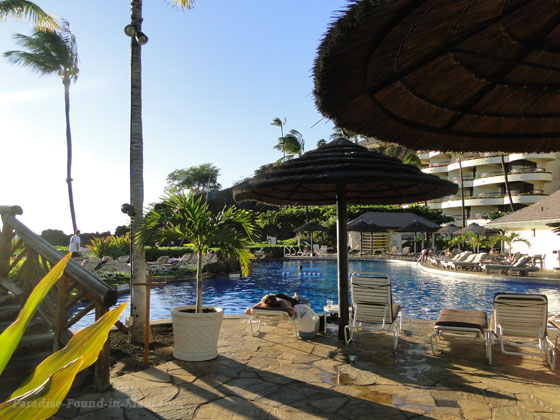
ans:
(276, 378)
(191, 394)
(534, 403)
(249, 389)
(355, 409)
(356, 376)
(327, 365)
(152, 375)
(158, 396)
(514, 412)
(177, 411)
(475, 409)
(500, 398)
(231, 408)
(328, 405)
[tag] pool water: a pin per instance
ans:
(422, 295)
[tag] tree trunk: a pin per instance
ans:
(138, 298)
(508, 192)
(66, 83)
(199, 283)
(462, 193)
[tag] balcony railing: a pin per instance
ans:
(483, 175)
(515, 193)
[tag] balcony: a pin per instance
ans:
(531, 156)
(495, 199)
(469, 162)
(436, 168)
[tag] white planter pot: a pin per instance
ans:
(196, 335)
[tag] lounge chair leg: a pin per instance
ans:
(346, 338)
(489, 348)
(433, 342)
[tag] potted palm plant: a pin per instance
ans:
(189, 220)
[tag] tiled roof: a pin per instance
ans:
(546, 210)
(391, 220)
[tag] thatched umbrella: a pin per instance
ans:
(477, 230)
(453, 75)
(311, 226)
(416, 226)
(342, 172)
(448, 230)
(362, 226)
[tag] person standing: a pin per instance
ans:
(74, 246)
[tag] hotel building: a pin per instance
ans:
(531, 177)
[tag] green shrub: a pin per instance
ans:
(111, 246)
(153, 253)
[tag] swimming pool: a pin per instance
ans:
(421, 295)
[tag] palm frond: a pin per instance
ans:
(48, 52)
(23, 9)
(184, 4)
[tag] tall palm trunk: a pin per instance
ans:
(508, 191)
(199, 283)
(463, 221)
(138, 277)
(66, 82)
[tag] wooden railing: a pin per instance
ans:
(19, 246)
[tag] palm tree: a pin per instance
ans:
(321, 143)
(23, 9)
(188, 219)
(53, 52)
(290, 145)
(506, 181)
(279, 123)
(412, 158)
(137, 255)
(342, 132)
(461, 181)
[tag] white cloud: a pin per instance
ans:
(23, 96)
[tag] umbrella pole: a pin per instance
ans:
(361, 243)
(342, 258)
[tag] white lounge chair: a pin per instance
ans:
(372, 306)
(520, 316)
(271, 316)
(472, 262)
(521, 266)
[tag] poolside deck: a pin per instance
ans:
(275, 376)
(543, 276)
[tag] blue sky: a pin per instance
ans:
(214, 77)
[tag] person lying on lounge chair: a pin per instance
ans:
(279, 300)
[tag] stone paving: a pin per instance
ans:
(274, 376)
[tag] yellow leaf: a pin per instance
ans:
(44, 401)
(87, 343)
(11, 336)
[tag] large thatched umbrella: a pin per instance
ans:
(416, 226)
(456, 75)
(362, 226)
(311, 226)
(342, 172)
